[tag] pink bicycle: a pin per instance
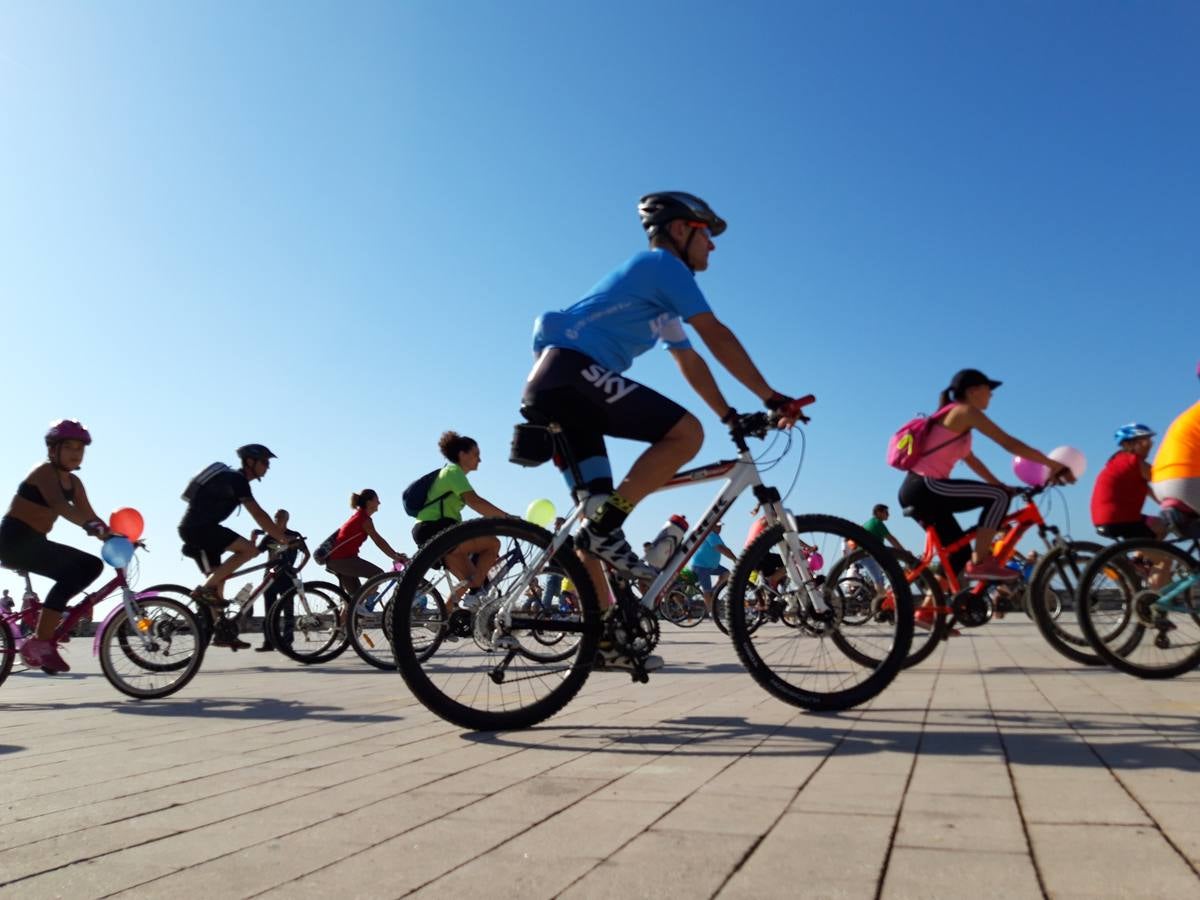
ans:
(148, 644)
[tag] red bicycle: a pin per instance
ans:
(947, 603)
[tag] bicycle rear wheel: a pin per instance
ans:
(490, 675)
(315, 634)
(1051, 601)
(1138, 605)
(155, 653)
(806, 657)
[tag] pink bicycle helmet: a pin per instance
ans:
(67, 430)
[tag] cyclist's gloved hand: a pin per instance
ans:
(789, 410)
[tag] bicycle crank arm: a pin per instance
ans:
(497, 674)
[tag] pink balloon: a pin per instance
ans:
(1071, 458)
(1032, 473)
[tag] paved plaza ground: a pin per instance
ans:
(996, 769)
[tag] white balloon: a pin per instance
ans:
(1071, 458)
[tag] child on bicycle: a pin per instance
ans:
(205, 539)
(1122, 487)
(50, 491)
(936, 497)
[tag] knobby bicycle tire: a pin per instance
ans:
(464, 657)
(827, 534)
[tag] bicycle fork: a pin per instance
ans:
(796, 564)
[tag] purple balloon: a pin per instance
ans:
(1030, 472)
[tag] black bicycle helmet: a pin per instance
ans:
(254, 451)
(660, 208)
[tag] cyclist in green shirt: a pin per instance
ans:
(449, 493)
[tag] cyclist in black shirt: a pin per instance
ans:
(205, 539)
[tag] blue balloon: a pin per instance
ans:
(117, 551)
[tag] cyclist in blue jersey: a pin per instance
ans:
(582, 351)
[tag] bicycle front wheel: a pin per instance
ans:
(372, 620)
(1138, 605)
(804, 655)
(493, 669)
(1053, 589)
(156, 652)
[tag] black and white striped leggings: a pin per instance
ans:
(936, 500)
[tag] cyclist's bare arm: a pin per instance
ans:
(975, 465)
(265, 522)
(976, 418)
(730, 353)
(697, 373)
(377, 538)
(481, 506)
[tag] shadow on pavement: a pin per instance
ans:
(10, 748)
(1116, 741)
(264, 708)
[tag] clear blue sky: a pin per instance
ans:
(329, 227)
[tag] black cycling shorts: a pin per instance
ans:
(206, 543)
(590, 401)
(424, 532)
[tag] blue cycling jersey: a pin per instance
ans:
(623, 316)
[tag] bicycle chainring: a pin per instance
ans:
(970, 609)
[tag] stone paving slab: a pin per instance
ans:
(995, 769)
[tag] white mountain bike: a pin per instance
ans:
(507, 664)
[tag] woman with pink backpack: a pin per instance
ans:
(944, 441)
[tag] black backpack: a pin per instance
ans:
(203, 477)
(415, 494)
(321, 554)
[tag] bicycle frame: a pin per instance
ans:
(742, 473)
(73, 614)
(274, 569)
(1013, 527)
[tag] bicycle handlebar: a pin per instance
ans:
(756, 425)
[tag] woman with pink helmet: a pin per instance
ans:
(50, 491)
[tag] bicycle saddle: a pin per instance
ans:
(911, 512)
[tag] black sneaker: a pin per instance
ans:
(225, 634)
(207, 597)
(614, 550)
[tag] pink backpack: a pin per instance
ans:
(907, 445)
